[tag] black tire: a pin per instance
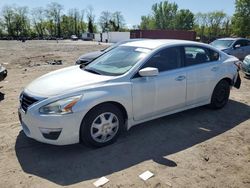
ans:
(220, 95)
(93, 115)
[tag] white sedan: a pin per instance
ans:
(133, 83)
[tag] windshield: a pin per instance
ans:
(112, 46)
(222, 43)
(118, 61)
(108, 48)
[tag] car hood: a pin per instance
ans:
(63, 81)
(91, 55)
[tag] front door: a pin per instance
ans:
(166, 92)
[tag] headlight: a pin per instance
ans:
(63, 106)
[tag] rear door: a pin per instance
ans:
(203, 69)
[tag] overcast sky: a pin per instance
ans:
(132, 10)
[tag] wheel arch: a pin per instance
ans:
(117, 104)
(229, 80)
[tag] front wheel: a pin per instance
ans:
(220, 95)
(102, 125)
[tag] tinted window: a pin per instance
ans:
(198, 55)
(214, 56)
(241, 43)
(166, 59)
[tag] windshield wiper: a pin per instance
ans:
(92, 71)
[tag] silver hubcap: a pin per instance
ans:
(104, 127)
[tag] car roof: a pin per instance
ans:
(156, 43)
(231, 38)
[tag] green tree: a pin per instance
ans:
(215, 21)
(184, 20)
(16, 21)
(38, 18)
(241, 18)
(8, 20)
(147, 22)
(212, 25)
(164, 14)
(53, 12)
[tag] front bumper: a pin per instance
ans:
(56, 130)
(237, 81)
(3, 73)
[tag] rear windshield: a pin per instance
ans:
(222, 43)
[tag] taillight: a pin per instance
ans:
(238, 65)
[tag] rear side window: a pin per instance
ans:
(197, 55)
(214, 56)
(166, 59)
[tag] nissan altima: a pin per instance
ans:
(136, 82)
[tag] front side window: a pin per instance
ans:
(117, 61)
(198, 55)
(242, 43)
(166, 59)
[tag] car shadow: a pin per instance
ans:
(247, 77)
(154, 140)
(1, 96)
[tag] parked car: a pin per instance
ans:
(238, 47)
(245, 65)
(87, 58)
(3, 73)
(74, 37)
(133, 83)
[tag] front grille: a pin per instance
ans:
(26, 101)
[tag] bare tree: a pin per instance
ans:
(118, 21)
(21, 22)
(8, 19)
(104, 20)
(54, 15)
(38, 18)
(91, 19)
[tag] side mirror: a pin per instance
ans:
(237, 46)
(149, 72)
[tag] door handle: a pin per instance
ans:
(214, 69)
(180, 78)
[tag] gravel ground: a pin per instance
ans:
(195, 148)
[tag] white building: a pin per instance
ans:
(112, 37)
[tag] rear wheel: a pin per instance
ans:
(102, 125)
(220, 95)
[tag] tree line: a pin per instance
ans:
(208, 26)
(52, 21)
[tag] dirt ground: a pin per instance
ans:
(195, 148)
